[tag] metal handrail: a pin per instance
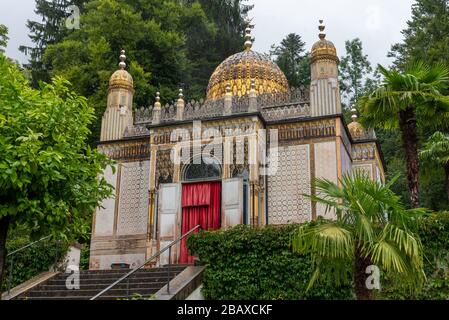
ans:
(28, 245)
(157, 254)
(11, 263)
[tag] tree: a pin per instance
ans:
(372, 227)
(206, 51)
(425, 37)
(436, 151)
(290, 58)
(405, 101)
(51, 29)
(48, 174)
(3, 37)
(354, 70)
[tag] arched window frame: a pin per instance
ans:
(188, 166)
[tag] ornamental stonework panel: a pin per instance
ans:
(133, 203)
(127, 150)
(286, 203)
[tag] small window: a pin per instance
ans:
(208, 169)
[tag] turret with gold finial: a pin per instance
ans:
(118, 114)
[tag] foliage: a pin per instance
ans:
(50, 29)
(436, 149)
(419, 86)
(434, 233)
(169, 44)
(409, 101)
(371, 225)
(354, 71)
(256, 263)
(3, 37)
(48, 176)
(426, 35)
(292, 60)
(33, 260)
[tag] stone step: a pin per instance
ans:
(136, 275)
(119, 271)
(101, 286)
(142, 283)
(146, 296)
(106, 281)
(147, 290)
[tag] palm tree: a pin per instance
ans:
(436, 151)
(405, 101)
(372, 227)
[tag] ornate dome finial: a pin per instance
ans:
(122, 64)
(121, 78)
(354, 114)
(158, 96)
(355, 128)
(248, 42)
(321, 27)
(323, 49)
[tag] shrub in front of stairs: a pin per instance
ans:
(31, 261)
(257, 263)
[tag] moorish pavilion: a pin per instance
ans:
(268, 143)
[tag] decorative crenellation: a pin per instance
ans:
(288, 111)
(127, 150)
(295, 103)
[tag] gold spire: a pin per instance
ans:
(321, 27)
(323, 49)
(157, 104)
(122, 64)
(354, 114)
(248, 42)
(121, 78)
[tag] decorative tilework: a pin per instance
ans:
(286, 203)
(133, 203)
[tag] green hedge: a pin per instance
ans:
(256, 263)
(31, 261)
(434, 233)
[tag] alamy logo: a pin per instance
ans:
(72, 282)
(214, 143)
(373, 280)
(73, 20)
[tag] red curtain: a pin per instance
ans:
(201, 204)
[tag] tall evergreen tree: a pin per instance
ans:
(3, 37)
(354, 71)
(51, 29)
(426, 35)
(292, 60)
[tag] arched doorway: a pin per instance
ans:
(201, 199)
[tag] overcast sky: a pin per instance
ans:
(376, 22)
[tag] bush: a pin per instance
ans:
(434, 233)
(31, 261)
(257, 263)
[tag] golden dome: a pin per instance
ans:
(323, 49)
(240, 69)
(121, 78)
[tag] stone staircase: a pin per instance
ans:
(142, 284)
